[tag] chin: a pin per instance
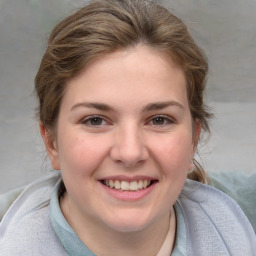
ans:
(130, 222)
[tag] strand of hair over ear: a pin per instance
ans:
(198, 174)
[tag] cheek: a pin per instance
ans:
(81, 155)
(174, 153)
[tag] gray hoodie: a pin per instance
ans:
(214, 223)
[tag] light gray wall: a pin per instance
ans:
(225, 29)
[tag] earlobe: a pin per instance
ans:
(50, 146)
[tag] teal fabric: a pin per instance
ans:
(75, 247)
(181, 238)
(69, 239)
(239, 186)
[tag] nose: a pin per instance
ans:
(129, 147)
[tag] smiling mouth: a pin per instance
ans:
(132, 186)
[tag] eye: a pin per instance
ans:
(160, 120)
(94, 121)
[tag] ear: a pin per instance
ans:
(50, 146)
(196, 135)
(197, 132)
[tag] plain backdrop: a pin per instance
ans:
(226, 30)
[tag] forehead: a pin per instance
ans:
(141, 73)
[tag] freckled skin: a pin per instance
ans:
(127, 142)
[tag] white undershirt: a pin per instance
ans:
(168, 243)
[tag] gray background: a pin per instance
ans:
(225, 29)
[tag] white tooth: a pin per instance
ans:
(125, 185)
(106, 182)
(145, 183)
(117, 184)
(148, 183)
(140, 184)
(133, 185)
(111, 183)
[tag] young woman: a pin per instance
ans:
(121, 110)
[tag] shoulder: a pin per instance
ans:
(26, 228)
(215, 224)
(7, 199)
(241, 187)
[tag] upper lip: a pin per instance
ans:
(127, 178)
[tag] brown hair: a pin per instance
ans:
(104, 26)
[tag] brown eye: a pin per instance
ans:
(160, 120)
(94, 121)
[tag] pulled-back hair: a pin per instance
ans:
(104, 26)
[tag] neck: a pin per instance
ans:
(147, 241)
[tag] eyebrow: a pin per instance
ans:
(162, 105)
(99, 106)
(147, 108)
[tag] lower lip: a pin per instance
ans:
(129, 195)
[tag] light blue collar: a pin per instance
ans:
(69, 239)
(180, 247)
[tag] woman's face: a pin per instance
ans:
(124, 139)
